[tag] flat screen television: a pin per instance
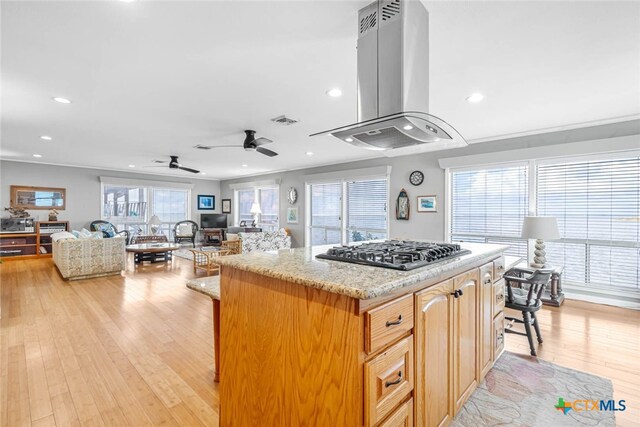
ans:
(213, 220)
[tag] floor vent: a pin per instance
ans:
(284, 120)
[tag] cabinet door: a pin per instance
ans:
(485, 320)
(433, 330)
(465, 341)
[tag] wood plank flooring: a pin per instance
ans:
(137, 349)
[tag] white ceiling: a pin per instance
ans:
(150, 79)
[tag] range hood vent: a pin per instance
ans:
(393, 83)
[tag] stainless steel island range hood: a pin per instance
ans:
(393, 83)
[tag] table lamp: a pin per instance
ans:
(256, 211)
(540, 228)
(154, 224)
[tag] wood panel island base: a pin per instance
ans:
(316, 342)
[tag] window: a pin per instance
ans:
(267, 197)
(364, 203)
(131, 207)
(597, 205)
(489, 204)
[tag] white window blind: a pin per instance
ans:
(326, 213)
(597, 205)
(489, 204)
(245, 198)
(367, 210)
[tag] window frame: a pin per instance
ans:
(256, 196)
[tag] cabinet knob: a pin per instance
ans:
(394, 382)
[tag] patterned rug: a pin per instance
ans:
(523, 391)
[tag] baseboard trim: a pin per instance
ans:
(626, 300)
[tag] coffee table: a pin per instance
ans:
(152, 252)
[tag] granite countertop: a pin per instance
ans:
(210, 286)
(357, 281)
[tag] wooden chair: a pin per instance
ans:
(108, 229)
(526, 299)
(179, 235)
(233, 246)
(205, 260)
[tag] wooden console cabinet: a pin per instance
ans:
(15, 246)
(295, 355)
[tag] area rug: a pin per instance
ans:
(524, 391)
(184, 251)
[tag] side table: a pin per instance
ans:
(552, 294)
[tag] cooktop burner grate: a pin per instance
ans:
(396, 254)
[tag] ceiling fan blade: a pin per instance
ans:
(262, 141)
(188, 169)
(266, 152)
(158, 166)
(209, 147)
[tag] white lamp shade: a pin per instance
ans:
(540, 227)
(255, 208)
(155, 220)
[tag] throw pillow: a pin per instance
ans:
(106, 228)
(185, 230)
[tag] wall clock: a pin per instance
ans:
(416, 178)
(292, 195)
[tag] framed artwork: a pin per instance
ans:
(402, 206)
(226, 206)
(43, 198)
(292, 215)
(427, 204)
(206, 202)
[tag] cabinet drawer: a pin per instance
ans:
(17, 250)
(388, 380)
(498, 335)
(401, 417)
(486, 274)
(388, 322)
(498, 268)
(13, 241)
(498, 296)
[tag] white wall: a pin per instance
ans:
(83, 188)
(431, 226)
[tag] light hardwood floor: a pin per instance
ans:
(137, 350)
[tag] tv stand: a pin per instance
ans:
(213, 236)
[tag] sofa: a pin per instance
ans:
(85, 258)
(264, 241)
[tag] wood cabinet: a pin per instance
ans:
(292, 354)
(465, 322)
(485, 320)
(30, 245)
(433, 336)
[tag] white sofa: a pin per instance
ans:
(85, 258)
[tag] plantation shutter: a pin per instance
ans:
(489, 204)
(597, 205)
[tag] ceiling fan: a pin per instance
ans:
(251, 143)
(174, 164)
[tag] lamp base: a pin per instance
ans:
(540, 255)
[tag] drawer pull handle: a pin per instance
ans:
(499, 297)
(501, 267)
(390, 383)
(486, 282)
(395, 322)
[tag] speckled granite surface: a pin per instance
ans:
(357, 281)
(210, 286)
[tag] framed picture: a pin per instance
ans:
(206, 203)
(427, 204)
(292, 215)
(226, 206)
(403, 207)
(43, 198)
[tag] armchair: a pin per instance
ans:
(524, 290)
(185, 230)
(109, 230)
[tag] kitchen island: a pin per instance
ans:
(306, 341)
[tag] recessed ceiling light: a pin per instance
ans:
(46, 138)
(37, 155)
(203, 173)
(309, 153)
(62, 100)
(244, 166)
(348, 139)
(335, 92)
(408, 127)
(475, 97)
(132, 166)
(127, 1)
